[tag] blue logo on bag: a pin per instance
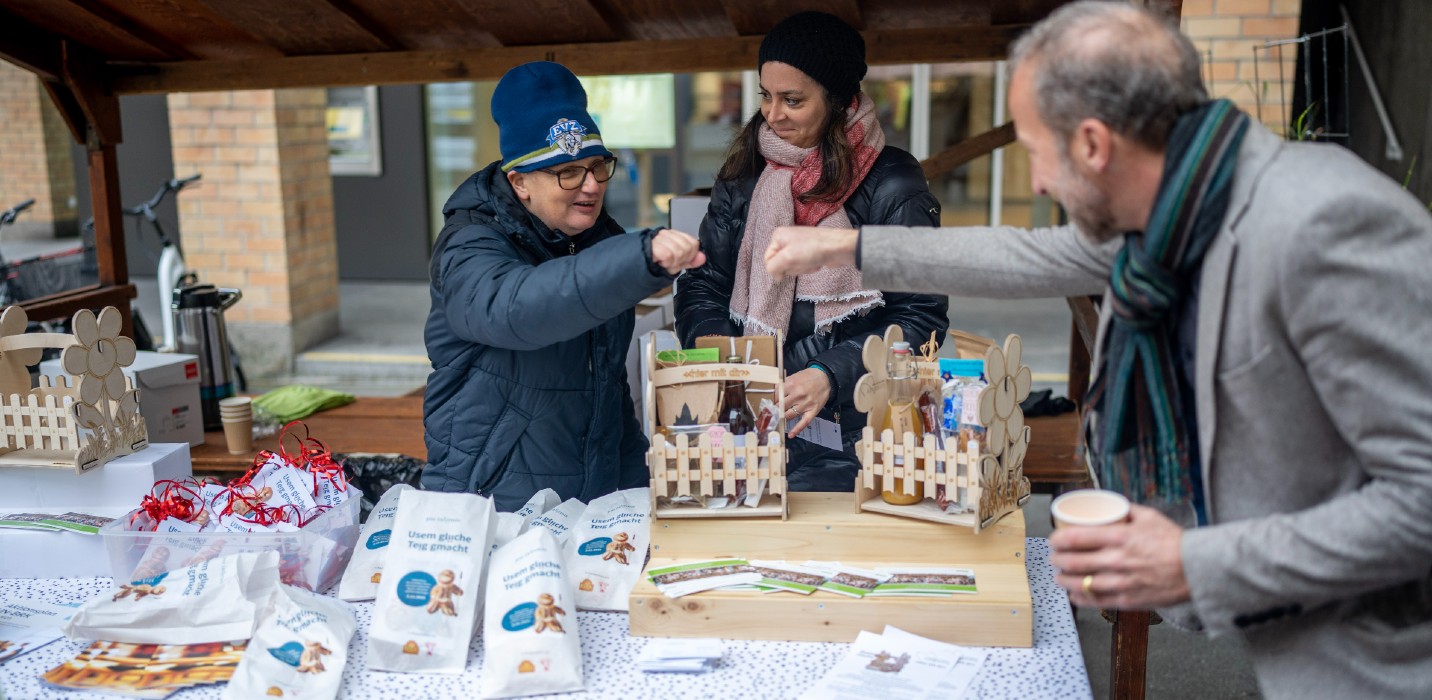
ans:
(379, 539)
(414, 589)
(595, 547)
(520, 617)
(152, 580)
(289, 653)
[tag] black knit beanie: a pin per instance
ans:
(822, 46)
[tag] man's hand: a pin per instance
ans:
(1134, 565)
(806, 393)
(800, 250)
(675, 251)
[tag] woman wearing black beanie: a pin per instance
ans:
(813, 155)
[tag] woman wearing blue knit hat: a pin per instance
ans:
(814, 155)
(533, 288)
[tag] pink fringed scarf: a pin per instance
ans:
(759, 302)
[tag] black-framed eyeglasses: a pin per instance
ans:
(572, 177)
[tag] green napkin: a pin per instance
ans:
(290, 403)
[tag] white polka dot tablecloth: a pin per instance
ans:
(1053, 668)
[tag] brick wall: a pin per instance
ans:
(1226, 32)
(34, 155)
(262, 219)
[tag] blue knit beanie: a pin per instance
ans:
(542, 120)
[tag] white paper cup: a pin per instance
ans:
(236, 402)
(1089, 507)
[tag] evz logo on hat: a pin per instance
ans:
(567, 135)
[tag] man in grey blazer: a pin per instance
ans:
(1265, 330)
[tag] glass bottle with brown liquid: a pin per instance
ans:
(903, 416)
(735, 412)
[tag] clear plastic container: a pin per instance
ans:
(313, 557)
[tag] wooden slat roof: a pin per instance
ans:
(184, 45)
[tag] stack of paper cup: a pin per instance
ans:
(237, 414)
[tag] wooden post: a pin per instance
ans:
(1128, 654)
(108, 222)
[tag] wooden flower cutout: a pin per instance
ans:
(1009, 384)
(128, 407)
(90, 417)
(99, 355)
(14, 364)
(872, 391)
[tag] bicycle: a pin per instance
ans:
(170, 273)
(40, 275)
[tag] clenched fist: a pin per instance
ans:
(675, 251)
(800, 250)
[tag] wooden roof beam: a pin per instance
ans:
(368, 24)
(133, 28)
(967, 150)
(30, 47)
(603, 58)
(758, 16)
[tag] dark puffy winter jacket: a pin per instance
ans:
(893, 193)
(528, 337)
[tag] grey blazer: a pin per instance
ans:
(1314, 391)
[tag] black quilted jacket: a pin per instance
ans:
(893, 193)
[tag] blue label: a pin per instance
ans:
(152, 580)
(594, 548)
(379, 539)
(520, 617)
(414, 588)
(289, 653)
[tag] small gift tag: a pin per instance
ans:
(824, 433)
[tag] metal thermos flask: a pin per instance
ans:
(199, 330)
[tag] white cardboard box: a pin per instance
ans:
(687, 211)
(119, 483)
(168, 386)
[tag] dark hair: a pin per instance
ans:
(744, 159)
(1123, 65)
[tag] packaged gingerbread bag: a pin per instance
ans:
(215, 600)
(298, 651)
(430, 595)
(530, 638)
(608, 549)
(365, 569)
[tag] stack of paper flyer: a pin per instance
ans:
(897, 665)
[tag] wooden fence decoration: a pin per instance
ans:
(985, 481)
(682, 466)
(51, 425)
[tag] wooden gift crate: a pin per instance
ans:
(54, 425)
(986, 479)
(683, 467)
(823, 527)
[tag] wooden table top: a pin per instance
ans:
(394, 425)
(389, 425)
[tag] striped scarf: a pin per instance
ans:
(762, 304)
(1144, 437)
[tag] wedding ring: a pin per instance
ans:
(1089, 585)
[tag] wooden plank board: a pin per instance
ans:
(597, 58)
(822, 527)
(387, 425)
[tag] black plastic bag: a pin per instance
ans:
(374, 474)
(1044, 403)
